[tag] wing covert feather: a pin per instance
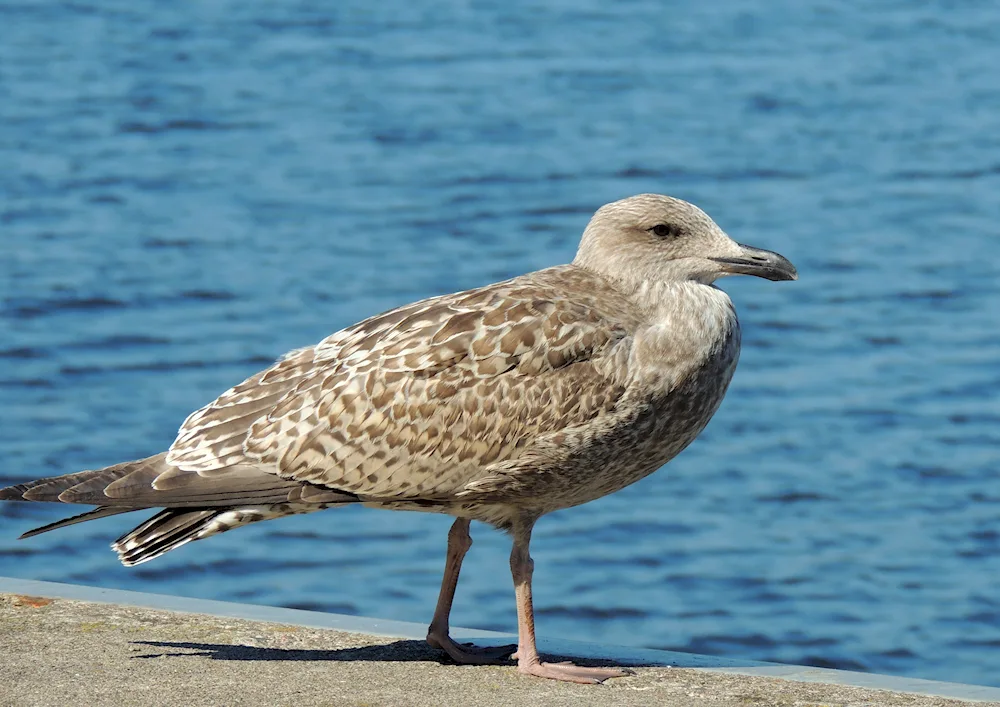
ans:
(415, 403)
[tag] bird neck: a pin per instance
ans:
(686, 323)
(659, 299)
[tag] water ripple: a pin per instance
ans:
(190, 191)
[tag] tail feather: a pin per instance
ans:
(196, 506)
(162, 533)
(177, 526)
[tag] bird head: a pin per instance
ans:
(650, 237)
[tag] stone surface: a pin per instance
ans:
(59, 652)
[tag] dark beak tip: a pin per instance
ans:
(760, 263)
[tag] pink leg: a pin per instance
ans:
(521, 568)
(459, 542)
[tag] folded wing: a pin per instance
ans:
(415, 403)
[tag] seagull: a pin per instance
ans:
(497, 404)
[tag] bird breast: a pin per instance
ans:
(680, 366)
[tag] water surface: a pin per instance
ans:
(189, 190)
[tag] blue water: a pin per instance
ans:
(190, 189)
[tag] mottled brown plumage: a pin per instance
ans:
(498, 404)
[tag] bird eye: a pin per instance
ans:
(664, 230)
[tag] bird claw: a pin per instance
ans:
(470, 654)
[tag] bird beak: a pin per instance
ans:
(762, 263)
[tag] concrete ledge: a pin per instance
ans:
(63, 644)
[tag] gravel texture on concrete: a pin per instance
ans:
(62, 652)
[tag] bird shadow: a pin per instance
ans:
(396, 651)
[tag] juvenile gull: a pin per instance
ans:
(498, 404)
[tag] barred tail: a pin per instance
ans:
(178, 526)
